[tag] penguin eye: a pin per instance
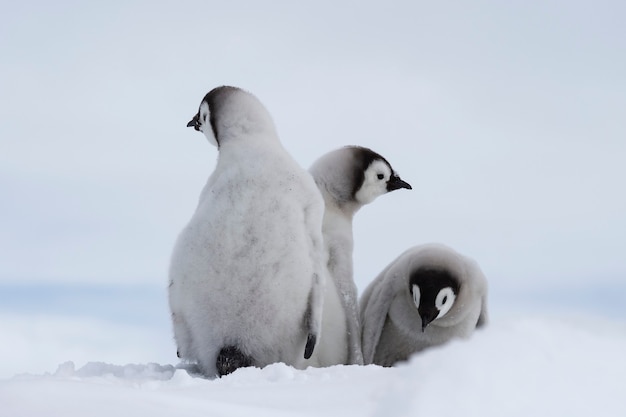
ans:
(380, 176)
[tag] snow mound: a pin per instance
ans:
(539, 367)
(527, 367)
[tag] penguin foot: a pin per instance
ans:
(230, 359)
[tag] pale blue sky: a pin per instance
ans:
(506, 117)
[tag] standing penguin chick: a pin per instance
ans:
(427, 296)
(247, 272)
(348, 178)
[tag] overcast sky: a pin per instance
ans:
(508, 118)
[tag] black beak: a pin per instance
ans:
(395, 183)
(425, 324)
(428, 317)
(195, 122)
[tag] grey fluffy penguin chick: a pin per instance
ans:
(348, 178)
(429, 295)
(247, 272)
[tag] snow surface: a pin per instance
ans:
(541, 366)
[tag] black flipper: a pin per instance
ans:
(310, 345)
(230, 359)
(313, 316)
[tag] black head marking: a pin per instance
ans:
(430, 282)
(363, 158)
(214, 100)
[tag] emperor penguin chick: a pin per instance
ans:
(348, 178)
(429, 295)
(247, 272)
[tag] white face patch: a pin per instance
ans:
(205, 124)
(416, 295)
(374, 183)
(444, 301)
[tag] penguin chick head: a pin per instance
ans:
(230, 111)
(434, 292)
(376, 179)
(354, 174)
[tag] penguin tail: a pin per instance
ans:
(230, 359)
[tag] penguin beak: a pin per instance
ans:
(195, 122)
(427, 317)
(395, 183)
(424, 324)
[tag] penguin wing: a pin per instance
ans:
(313, 314)
(374, 288)
(375, 307)
(483, 318)
(479, 281)
(314, 213)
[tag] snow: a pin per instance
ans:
(539, 366)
